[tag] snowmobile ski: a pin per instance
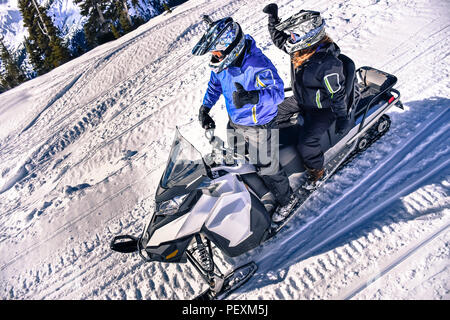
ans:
(231, 282)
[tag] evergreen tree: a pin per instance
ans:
(128, 24)
(44, 44)
(124, 20)
(115, 32)
(13, 75)
(59, 52)
(166, 8)
(98, 25)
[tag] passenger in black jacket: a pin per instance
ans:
(317, 80)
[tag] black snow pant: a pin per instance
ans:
(315, 123)
(260, 144)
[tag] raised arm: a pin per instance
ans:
(279, 38)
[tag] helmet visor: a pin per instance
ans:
(303, 34)
(213, 39)
(226, 38)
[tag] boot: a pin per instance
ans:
(269, 202)
(283, 212)
(314, 176)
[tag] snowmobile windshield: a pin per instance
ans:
(185, 164)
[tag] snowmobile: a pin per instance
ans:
(211, 200)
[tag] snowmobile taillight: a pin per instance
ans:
(391, 99)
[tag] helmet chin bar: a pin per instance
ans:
(217, 56)
(218, 66)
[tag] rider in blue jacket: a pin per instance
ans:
(252, 90)
(256, 75)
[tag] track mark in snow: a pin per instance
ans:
(52, 101)
(397, 261)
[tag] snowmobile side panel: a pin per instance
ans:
(290, 160)
(255, 183)
(171, 252)
(259, 222)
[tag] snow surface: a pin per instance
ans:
(82, 149)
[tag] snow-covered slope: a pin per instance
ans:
(82, 149)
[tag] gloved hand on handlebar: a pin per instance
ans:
(205, 119)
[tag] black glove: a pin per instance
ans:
(205, 119)
(341, 125)
(272, 10)
(242, 97)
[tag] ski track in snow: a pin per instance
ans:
(83, 167)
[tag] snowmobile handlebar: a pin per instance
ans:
(218, 146)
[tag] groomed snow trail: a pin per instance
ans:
(86, 148)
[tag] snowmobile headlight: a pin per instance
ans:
(171, 206)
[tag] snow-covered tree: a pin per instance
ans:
(43, 44)
(12, 75)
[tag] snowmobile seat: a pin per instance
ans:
(373, 85)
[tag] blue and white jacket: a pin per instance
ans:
(255, 73)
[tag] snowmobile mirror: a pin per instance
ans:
(130, 244)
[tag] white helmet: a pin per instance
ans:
(224, 39)
(306, 28)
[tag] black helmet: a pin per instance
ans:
(225, 39)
